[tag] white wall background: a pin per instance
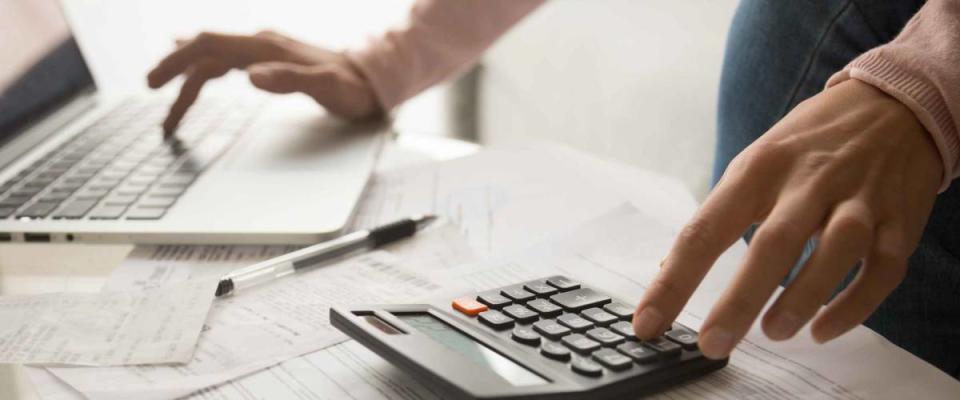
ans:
(634, 80)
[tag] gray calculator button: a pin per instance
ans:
(584, 366)
(525, 335)
(605, 336)
(599, 316)
(639, 353)
(612, 359)
(683, 337)
(562, 283)
(622, 311)
(551, 329)
(574, 322)
(496, 320)
(520, 313)
(580, 343)
(540, 288)
(555, 351)
(663, 346)
(494, 300)
(624, 328)
(545, 308)
(517, 293)
(579, 299)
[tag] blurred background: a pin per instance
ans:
(630, 80)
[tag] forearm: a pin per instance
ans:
(441, 38)
(920, 69)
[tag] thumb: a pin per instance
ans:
(283, 77)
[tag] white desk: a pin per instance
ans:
(41, 268)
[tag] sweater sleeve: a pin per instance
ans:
(921, 68)
(440, 38)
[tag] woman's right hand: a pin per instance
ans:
(275, 63)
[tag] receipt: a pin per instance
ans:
(105, 329)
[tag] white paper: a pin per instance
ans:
(270, 323)
(507, 199)
(105, 329)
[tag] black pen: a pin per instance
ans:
(321, 254)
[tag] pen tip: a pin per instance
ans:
(425, 220)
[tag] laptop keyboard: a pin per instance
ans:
(120, 167)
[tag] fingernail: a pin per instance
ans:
(717, 342)
(648, 322)
(782, 326)
(826, 333)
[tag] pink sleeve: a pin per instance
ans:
(921, 68)
(441, 38)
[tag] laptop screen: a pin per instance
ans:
(41, 67)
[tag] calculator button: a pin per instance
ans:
(683, 337)
(545, 308)
(517, 293)
(599, 316)
(551, 329)
(520, 313)
(540, 288)
(555, 351)
(584, 366)
(494, 300)
(663, 346)
(469, 306)
(579, 299)
(575, 322)
(580, 343)
(622, 311)
(525, 335)
(624, 328)
(496, 320)
(639, 353)
(605, 336)
(562, 283)
(612, 359)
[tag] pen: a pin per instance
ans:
(321, 253)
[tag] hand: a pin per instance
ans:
(275, 63)
(852, 166)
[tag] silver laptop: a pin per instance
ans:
(75, 167)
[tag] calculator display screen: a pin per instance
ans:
(475, 351)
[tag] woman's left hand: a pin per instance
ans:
(852, 166)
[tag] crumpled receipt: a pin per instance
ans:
(110, 328)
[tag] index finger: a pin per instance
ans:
(235, 51)
(724, 217)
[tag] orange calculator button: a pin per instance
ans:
(469, 306)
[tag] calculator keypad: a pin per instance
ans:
(568, 323)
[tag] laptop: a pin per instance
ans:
(76, 166)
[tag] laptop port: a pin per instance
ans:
(36, 237)
(5, 237)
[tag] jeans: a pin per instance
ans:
(782, 52)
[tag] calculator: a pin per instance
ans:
(550, 338)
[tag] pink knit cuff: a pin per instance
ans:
(918, 94)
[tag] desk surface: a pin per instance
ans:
(44, 268)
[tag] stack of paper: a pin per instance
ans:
(543, 212)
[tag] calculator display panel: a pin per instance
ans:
(468, 347)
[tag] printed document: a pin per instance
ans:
(109, 328)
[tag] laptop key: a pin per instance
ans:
(6, 211)
(146, 213)
(118, 199)
(131, 189)
(92, 193)
(108, 212)
(175, 191)
(14, 201)
(75, 209)
(156, 202)
(38, 210)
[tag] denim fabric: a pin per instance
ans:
(780, 53)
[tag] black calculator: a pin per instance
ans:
(550, 338)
